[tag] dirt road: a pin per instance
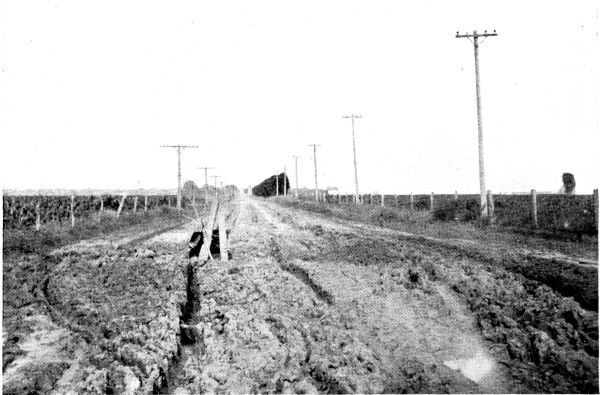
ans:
(312, 305)
(307, 304)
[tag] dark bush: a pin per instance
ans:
(452, 210)
(445, 211)
(422, 203)
(470, 212)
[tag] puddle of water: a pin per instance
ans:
(476, 368)
(176, 236)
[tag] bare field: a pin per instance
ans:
(309, 303)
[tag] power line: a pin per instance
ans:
(356, 194)
(475, 40)
(315, 157)
(179, 148)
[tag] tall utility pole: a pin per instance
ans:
(205, 180)
(315, 157)
(179, 148)
(475, 40)
(296, 192)
(216, 190)
(356, 193)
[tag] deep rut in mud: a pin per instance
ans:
(187, 347)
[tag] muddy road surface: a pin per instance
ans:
(306, 304)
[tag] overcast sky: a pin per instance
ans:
(90, 90)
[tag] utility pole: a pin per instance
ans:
(296, 192)
(205, 180)
(475, 40)
(356, 193)
(179, 148)
(315, 157)
(216, 190)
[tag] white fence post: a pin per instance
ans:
(72, 210)
(534, 216)
(122, 204)
(38, 221)
(101, 208)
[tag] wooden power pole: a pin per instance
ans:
(315, 158)
(475, 40)
(216, 190)
(356, 193)
(205, 181)
(179, 148)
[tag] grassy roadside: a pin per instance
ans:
(19, 241)
(422, 223)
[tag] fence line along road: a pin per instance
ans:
(534, 209)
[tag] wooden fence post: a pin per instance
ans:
(21, 216)
(38, 221)
(490, 202)
(395, 201)
(431, 202)
(412, 202)
(122, 204)
(534, 216)
(382, 200)
(456, 196)
(72, 210)
(101, 207)
(135, 204)
(146, 203)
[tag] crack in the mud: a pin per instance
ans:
(187, 345)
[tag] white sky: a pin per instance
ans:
(90, 90)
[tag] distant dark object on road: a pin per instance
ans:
(269, 186)
(568, 180)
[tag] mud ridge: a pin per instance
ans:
(304, 276)
(568, 279)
